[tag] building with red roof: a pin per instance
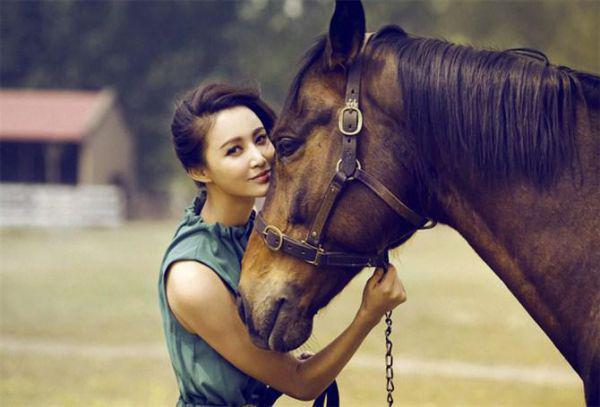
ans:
(56, 140)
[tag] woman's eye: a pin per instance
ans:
(261, 139)
(232, 150)
(286, 146)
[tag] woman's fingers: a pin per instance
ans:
(388, 277)
(400, 291)
(392, 286)
(375, 278)
(383, 292)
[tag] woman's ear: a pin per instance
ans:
(200, 175)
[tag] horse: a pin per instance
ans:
(502, 146)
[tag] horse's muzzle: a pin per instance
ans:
(280, 325)
(247, 320)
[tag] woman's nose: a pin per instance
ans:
(257, 159)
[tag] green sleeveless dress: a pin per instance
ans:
(204, 377)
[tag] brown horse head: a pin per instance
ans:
(500, 145)
(476, 139)
(280, 294)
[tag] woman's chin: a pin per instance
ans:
(262, 191)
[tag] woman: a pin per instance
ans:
(220, 135)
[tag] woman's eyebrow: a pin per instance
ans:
(258, 130)
(240, 138)
(231, 140)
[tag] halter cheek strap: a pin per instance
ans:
(348, 169)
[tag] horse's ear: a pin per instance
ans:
(346, 32)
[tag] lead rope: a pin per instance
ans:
(389, 358)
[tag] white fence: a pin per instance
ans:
(61, 205)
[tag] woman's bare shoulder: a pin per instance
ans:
(196, 294)
(205, 306)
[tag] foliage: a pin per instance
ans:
(148, 51)
(151, 51)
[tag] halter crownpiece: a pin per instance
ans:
(348, 169)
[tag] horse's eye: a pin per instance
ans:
(286, 146)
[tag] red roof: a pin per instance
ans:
(48, 115)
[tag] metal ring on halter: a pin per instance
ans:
(429, 224)
(279, 234)
(337, 166)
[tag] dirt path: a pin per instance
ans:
(403, 365)
(539, 375)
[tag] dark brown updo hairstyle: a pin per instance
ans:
(194, 116)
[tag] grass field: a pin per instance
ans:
(80, 326)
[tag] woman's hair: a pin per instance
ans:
(194, 116)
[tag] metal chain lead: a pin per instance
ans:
(389, 358)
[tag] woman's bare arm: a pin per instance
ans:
(203, 305)
(381, 293)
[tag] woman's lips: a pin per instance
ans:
(263, 177)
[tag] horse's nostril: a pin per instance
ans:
(278, 306)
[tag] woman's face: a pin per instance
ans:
(238, 153)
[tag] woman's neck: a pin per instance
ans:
(226, 209)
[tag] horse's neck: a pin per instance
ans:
(543, 245)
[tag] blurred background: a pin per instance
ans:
(90, 190)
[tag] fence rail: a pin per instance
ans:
(61, 205)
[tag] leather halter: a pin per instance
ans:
(348, 169)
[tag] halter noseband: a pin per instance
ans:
(348, 169)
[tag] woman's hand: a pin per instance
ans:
(383, 292)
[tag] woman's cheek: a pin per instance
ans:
(270, 153)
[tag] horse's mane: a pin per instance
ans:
(505, 114)
(591, 88)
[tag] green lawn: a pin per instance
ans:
(80, 326)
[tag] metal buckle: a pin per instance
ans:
(317, 260)
(351, 105)
(337, 166)
(279, 234)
